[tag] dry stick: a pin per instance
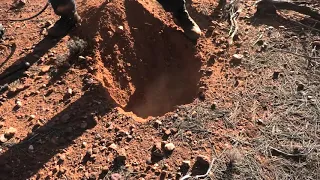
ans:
(289, 154)
(233, 20)
(301, 55)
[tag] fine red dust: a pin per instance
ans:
(147, 66)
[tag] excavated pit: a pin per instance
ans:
(147, 65)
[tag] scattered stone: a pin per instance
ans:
(113, 146)
(81, 58)
(121, 155)
(18, 103)
(169, 147)
(237, 59)
(116, 176)
(157, 123)
(260, 122)
(186, 164)
(84, 144)
(167, 132)
(95, 150)
(110, 33)
(3, 139)
(69, 91)
(32, 116)
(31, 148)
(203, 160)
(120, 29)
(270, 28)
(282, 27)
(44, 31)
(9, 133)
(1, 31)
(45, 69)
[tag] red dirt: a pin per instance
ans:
(129, 79)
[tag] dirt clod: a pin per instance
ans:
(9, 133)
(169, 147)
(3, 139)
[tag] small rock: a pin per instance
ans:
(157, 123)
(69, 91)
(282, 27)
(45, 69)
(121, 155)
(44, 31)
(110, 33)
(18, 104)
(260, 121)
(84, 144)
(81, 58)
(113, 146)
(31, 148)
(237, 57)
(116, 176)
(32, 116)
(120, 29)
(3, 139)
(167, 132)
(169, 147)
(9, 133)
(186, 164)
(95, 150)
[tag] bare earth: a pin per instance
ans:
(107, 101)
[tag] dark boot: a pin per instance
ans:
(190, 27)
(64, 25)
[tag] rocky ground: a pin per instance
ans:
(127, 96)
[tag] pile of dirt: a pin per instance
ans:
(147, 66)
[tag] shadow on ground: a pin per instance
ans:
(53, 137)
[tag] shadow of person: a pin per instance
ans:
(16, 71)
(18, 163)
